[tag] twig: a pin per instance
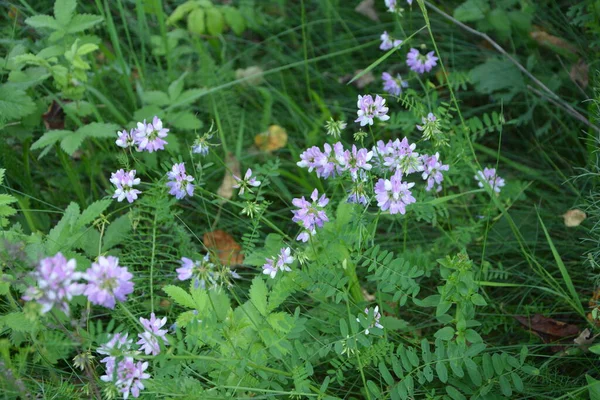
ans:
(550, 94)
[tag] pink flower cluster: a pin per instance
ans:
(147, 136)
(205, 273)
(57, 283)
(489, 177)
(180, 183)
(124, 182)
(421, 63)
(310, 215)
(272, 266)
(121, 368)
(334, 161)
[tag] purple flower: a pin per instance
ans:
(107, 281)
(393, 85)
(489, 175)
(205, 272)
(130, 376)
(149, 338)
(124, 182)
(376, 318)
(357, 159)
(246, 183)
(387, 42)
(400, 155)
(56, 283)
(149, 136)
(125, 139)
(369, 109)
(329, 163)
(432, 171)
(393, 194)
(201, 144)
(116, 346)
(180, 183)
(283, 260)
(310, 215)
(358, 191)
(421, 63)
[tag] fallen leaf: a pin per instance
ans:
(361, 82)
(368, 296)
(233, 168)
(573, 218)
(224, 246)
(367, 8)
(585, 339)
(548, 40)
(253, 75)
(54, 117)
(273, 139)
(548, 329)
(580, 73)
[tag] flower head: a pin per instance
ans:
(107, 281)
(421, 63)
(124, 182)
(387, 42)
(376, 318)
(432, 171)
(180, 183)
(358, 191)
(56, 283)
(357, 159)
(393, 85)
(248, 182)
(201, 144)
(368, 109)
(310, 215)
(205, 272)
(393, 194)
(280, 264)
(125, 139)
(489, 175)
(335, 128)
(327, 163)
(149, 136)
(400, 155)
(149, 338)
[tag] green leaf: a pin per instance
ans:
(14, 103)
(64, 10)
(446, 333)
(593, 387)
(176, 87)
(258, 295)
(595, 349)
(195, 21)
(99, 130)
(454, 393)
(42, 21)
(82, 22)
(180, 296)
(385, 373)
(49, 138)
(499, 20)
(471, 10)
(185, 120)
(505, 387)
(86, 48)
(181, 11)
(17, 321)
(442, 371)
(156, 97)
(116, 232)
(92, 212)
(215, 23)
(478, 300)
(234, 19)
(496, 74)
(473, 371)
(6, 198)
(71, 143)
(517, 381)
(523, 354)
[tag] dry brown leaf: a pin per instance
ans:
(548, 329)
(367, 8)
(233, 168)
(273, 139)
(224, 246)
(580, 73)
(548, 40)
(573, 218)
(54, 117)
(585, 339)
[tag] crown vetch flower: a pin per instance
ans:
(152, 332)
(393, 85)
(180, 183)
(358, 191)
(149, 136)
(357, 159)
(124, 182)
(130, 376)
(56, 283)
(205, 272)
(393, 194)
(246, 183)
(421, 63)
(107, 281)
(310, 215)
(400, 155)
(368, 109)
(281, 264)
(376, 318)
(328, 163)
(432, 171)
(201, 144)
(489, 175)
(387, 42)
(125, 139)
